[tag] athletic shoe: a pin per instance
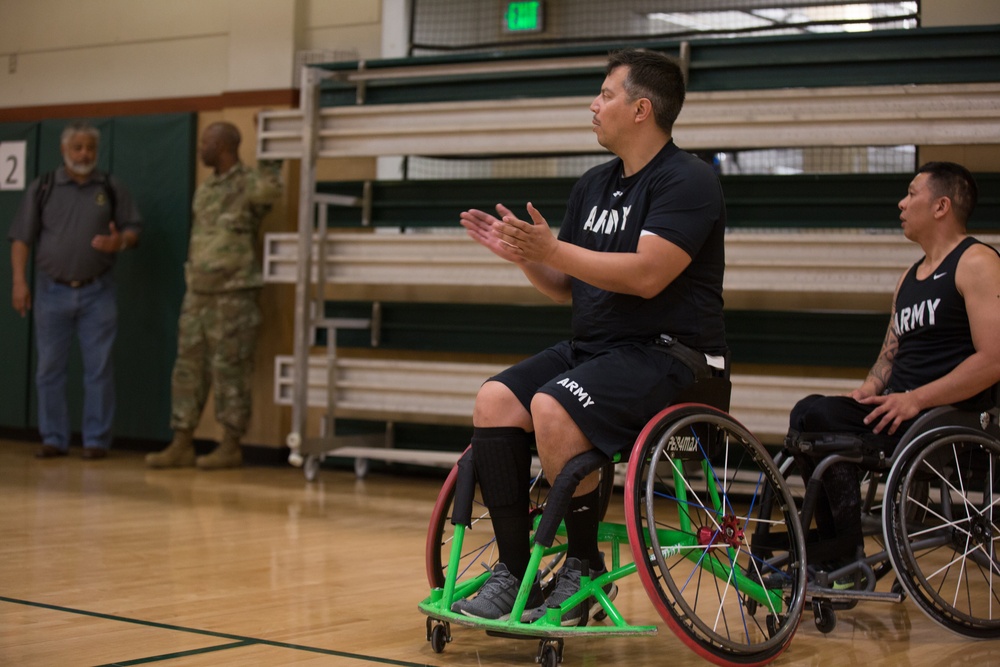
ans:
(855, 581)
(850, 581)
(495, 600)
(567, 584)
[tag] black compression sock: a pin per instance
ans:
(502, 458)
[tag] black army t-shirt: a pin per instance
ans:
(677, 197)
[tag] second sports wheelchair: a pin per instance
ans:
(714, 534)
(930, 506)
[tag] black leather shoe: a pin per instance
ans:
(94, 453)
(49, 452)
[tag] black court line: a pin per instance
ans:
(178, 654)
(239, 640)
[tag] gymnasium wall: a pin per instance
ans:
(126, 64)
(134, 62)
(62, 52)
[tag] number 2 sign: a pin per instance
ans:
(12, 155)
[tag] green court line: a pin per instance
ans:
(239, 639)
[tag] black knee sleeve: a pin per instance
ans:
(502, 459)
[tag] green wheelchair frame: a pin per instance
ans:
(692, 483)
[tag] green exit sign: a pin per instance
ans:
(523, 17)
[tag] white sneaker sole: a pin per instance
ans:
(595, 607)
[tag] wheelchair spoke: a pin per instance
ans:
(695, 583)
(704, 576)
(945, 522)
(940, 531)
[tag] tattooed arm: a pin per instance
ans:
(881, 370)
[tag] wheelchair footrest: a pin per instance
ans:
(536, 630)
(848, 595)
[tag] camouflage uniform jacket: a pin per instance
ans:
(228, 209)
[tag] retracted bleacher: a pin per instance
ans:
(404, 317)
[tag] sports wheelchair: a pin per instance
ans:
(931, 506)
(694, 484)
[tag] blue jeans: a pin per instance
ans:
(91, 314)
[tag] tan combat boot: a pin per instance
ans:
(178, 454)
(227, 455)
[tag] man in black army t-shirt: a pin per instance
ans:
(641, 254)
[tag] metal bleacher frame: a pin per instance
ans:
(779, 270)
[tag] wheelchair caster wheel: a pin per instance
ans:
(550, 653)
(438, 634)
(439, 637)
(824, 617)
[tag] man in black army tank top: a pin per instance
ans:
(941, 347)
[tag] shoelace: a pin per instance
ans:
(567, 584)
(497, 580)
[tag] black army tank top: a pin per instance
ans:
(932, 327)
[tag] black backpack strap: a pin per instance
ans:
(112, 195)
(44, 191)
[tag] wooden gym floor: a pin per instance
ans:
(108, 563)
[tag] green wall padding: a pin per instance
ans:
(161, 149)
(858, 201)
(839, 339)
(15, 331)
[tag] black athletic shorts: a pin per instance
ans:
(610, 394)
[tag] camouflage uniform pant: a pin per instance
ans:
(216, 336)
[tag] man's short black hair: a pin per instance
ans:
(954, 181)
(655, 76)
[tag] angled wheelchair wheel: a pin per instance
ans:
(694, 493)
(479, 545)
(941, 519)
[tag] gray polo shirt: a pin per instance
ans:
(74, 213)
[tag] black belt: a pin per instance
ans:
(77, 283)
(689, 356)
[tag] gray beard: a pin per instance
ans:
(79, 169)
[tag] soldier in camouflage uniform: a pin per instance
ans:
(217, 331)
